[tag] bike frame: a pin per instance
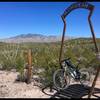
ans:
(71, 69)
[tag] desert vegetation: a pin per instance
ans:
(46, 56)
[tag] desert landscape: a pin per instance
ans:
(37, 54)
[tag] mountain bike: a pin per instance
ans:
(62, 77)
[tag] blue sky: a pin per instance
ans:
(45, 18)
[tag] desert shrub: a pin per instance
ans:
(8, 55)
(20, 65)
(46, 56)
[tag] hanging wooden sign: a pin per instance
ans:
(77, 5)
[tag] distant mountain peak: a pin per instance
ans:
(27, 35)
(30, 37)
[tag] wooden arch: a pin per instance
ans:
(89, 7)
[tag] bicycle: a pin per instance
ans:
(68, 71)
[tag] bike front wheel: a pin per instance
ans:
(61, 79)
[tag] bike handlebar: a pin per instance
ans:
(79, 61)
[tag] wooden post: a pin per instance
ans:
(29, 70)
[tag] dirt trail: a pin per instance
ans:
(12, 89)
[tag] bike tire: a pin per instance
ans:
(59, 79)
(85, 81)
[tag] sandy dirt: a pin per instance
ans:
(11, 89)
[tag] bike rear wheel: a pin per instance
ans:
(61, 79)
(85, 77)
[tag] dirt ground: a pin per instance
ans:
(11, 89)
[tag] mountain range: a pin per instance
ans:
(33, 38)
